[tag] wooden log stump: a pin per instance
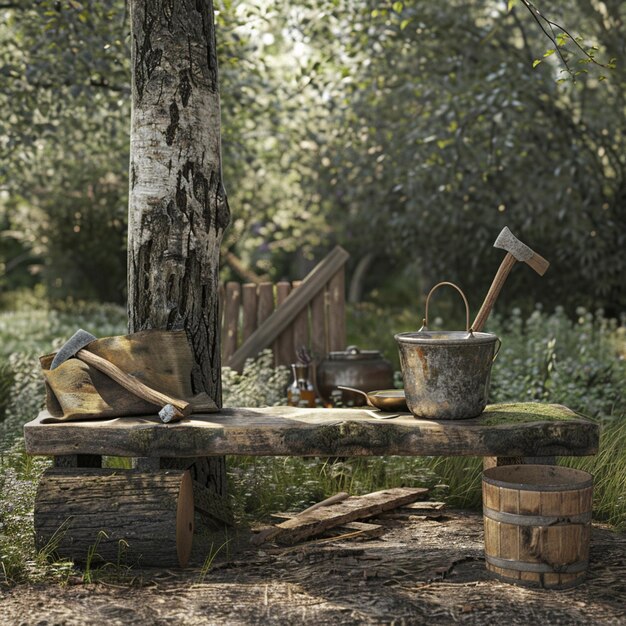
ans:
(119, 516)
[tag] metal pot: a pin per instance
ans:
(447, 373)
(363, 369)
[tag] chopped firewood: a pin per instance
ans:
(353, 508)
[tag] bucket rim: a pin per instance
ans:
(578, 479)
(445, 337)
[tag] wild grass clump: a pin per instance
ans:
(608, 468)
(264, 485)
(20, 561)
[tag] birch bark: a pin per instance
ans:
(178, 208)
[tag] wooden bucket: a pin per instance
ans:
(537, 524)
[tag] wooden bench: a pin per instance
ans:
(157, 489)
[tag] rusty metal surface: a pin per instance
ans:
(446, 373)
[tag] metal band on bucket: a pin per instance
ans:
(536, 520)
(521, 566)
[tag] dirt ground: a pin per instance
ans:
(422, 570)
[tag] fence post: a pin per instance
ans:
(231, 319)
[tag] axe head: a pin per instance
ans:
(508, 241)
(76, 342)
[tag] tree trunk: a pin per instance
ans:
(177, 208)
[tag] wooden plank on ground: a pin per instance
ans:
(350, 510)
(363, 528)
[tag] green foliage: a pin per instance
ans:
(19, 560)
(260, 383)
(64, 145)
(439, 134)
(551, 358)
(265, 485)
(415, 130)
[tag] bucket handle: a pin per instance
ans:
(497, 351)
(430, 293)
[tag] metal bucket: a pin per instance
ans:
(447, 373)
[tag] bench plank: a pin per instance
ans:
(522, 429)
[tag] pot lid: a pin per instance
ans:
(353, 353)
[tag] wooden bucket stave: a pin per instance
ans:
(537, 524)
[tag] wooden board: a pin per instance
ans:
(350, 510)
(523, 429)
(282, 317)
(362, 528)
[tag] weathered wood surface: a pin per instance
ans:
(317, 521)
(524, 430)
(350, 528)
(328, 272)
(128, 517)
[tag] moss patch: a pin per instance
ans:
(520, 412)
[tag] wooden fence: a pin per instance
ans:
(286, 316)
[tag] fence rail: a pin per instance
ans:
(286, 316)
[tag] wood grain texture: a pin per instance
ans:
(524, 430)
(336, 322)
(349, 510)
(494, 291)
(300, 326)
(282, 317)
(283, 346)
(249, 308)
(131, 517)
(537, 521)
(319, 342)
(232, 304)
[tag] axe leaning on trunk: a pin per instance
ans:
(516, 251)
(172, 408)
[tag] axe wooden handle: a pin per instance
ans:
(133, 384)
(501, 275)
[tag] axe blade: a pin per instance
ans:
(508, 241)
(76, 342)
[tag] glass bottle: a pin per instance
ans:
(301, 391)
